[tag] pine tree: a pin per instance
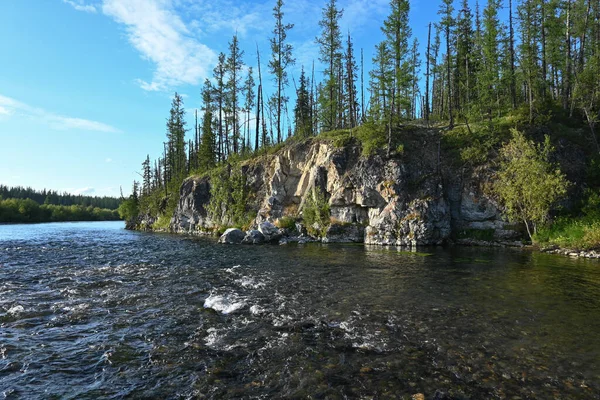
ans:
(380, 83)
(302, 111)
(350, 83)
(206, 152)
(219, 74)
(489, 74)
(465, 47)
(447, 23)
(427, 74)
(397, 34)
(146, 176)
(176, 137)
(234, 66)
(248, 106)
(330, 49)
(281, 58)
(415, 65)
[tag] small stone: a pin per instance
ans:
(418, 396)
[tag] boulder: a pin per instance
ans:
(344, 233)
(232, 236)
(270, 231)
(254, 236)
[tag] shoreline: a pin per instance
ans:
(287, 239)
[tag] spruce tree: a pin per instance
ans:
(220, 94)
(248, 106)
(281, 58)
(176, 138)
(397, 34)
(447, 23)
(234, 67)
(489, 74)
(330, 50)
(302, 111)
(350, 83)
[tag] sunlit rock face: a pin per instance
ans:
(408, 199)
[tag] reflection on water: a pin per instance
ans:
(88, 310)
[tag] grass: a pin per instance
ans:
(572, 233)
(162, 223)
(286, 222)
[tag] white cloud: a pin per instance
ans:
(160, 35)
(361, 13)
(84, 191)
(4, 111)
(108, 160)
(79, 5)
(11, 107)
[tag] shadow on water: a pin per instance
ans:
(92, 311)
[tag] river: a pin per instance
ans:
(92, 311)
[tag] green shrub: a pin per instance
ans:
(228, 196)
(316, 210)
(286, 222)
(527, 184)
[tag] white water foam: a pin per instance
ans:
(16, 310)
(223, 304)
(249, 283)
(256, 310)
(232, 269)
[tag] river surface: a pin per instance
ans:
(91, 311)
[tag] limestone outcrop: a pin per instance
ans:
(412, 198)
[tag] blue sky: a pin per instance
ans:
(86, 85)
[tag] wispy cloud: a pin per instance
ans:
(108, 160)
(85, 191)
(161, 36)
(79, 5)
(12, 107)
(4, 111)
(362, 13)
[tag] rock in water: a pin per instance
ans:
(270, 231)
(232, 236)
(253, 237)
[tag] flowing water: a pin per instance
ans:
(91, 311)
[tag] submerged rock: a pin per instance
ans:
(254, 236)
(232, 236)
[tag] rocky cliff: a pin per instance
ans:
(413, 197)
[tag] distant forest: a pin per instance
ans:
(54, 198)
(19, 204)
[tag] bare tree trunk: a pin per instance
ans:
(567, 73)
(389, 146)
(513, 90)
(362, 85)
(544, 64)
(448, 58)
(426, 109)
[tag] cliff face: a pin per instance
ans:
(412, 198)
